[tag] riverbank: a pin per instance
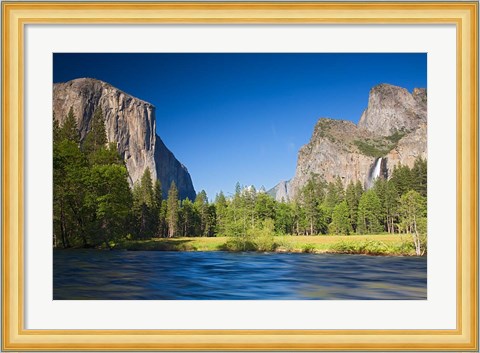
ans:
(382, 244)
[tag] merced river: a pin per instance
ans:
(162, 275)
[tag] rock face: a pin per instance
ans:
(280, 191)
(409, 148)
(393, 128)
(392, 108)
(130, 123)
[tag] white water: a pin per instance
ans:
(376, 171)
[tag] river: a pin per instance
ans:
(158, 275)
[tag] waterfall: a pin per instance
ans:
(374, 172)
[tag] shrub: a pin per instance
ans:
(369, 247)
(264, 238)
(238, 244)
(308, 248)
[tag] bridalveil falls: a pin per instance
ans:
(376, 171)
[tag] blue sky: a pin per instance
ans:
(243, 117)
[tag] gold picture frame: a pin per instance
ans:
(15, 15)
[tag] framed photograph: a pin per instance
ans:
(240, 176)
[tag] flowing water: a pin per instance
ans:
(374, 172)
(137, 275)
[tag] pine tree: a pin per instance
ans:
(69, 130)
(402, 178)
(188, 216)
(352, 197)
(249, 195)
(70, 173)
(201, 207)
(157, 194)
(162, 220)
(311, 195)
(264, 207)
(146, 206)
(147, 192)
(172, 210)
(110, 197)
(222, 213)
(211, 227)
(284, 218)
(369, 210)
(419, 176)
(379, 187)
(97, 136)
(341, 219)
(391, 205)
(92, 198)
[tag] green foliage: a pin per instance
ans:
(110, 197)
(172, 210)
(311, 197)
(264, 207)
(204, 225)
(413, 213)
(105, 155)
(412, 207)
(69, 130)
(419, 176)
(403, 179)
(368, 244)
(94, 206)
(341, 219)
(70, 177)
(369, 213)
(255, 239)
(370, 149)
(373, 247)
(395, 137)
(284, 218)
(222, 212)
(369, 247)
(379, 147)
(92, 200)
(388, 196)
(96, 138)
(308, 248)
(211, 221)
(352, 197)
(264, 237)
(147, 201)
(173, 244)
(187, 218)
(335, 194)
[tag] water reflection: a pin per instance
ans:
(137, 275)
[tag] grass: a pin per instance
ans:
(175, 244)
(381, 244)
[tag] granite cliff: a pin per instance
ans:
(130, 123)
(391, 131)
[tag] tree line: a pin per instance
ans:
(94, 205)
